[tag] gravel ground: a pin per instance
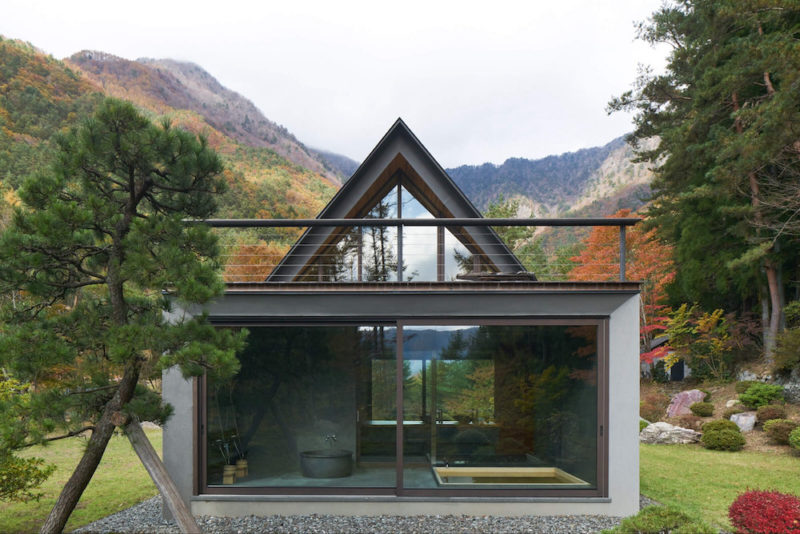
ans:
(146, 518)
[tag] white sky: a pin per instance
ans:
(476, 81)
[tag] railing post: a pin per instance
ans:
(622, 253)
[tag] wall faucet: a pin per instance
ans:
(330, 439)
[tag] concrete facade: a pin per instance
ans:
(616, 302)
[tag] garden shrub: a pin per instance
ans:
(689, 421)
(770, 411)
(787, 352)
(761, 394)
(767, 512)
(658, 519)
(723, 440)
(744, 385)
(643, 424)
(702, 409)
(707, 398)
(794, 439)
(720, 424)
(779, 430)
(653, 407)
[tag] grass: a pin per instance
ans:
(704, 483)
(119, 482)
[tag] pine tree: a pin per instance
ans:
(85, 267)
(726, 112)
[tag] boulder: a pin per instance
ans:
(733, 402)
(745, 420)
(681, 401)
(665, 433)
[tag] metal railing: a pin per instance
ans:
(340, 249)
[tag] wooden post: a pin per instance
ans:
(180, 512)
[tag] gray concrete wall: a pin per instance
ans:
(178, 447)
(622, 308)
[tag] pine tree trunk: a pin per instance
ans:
(775, 309)
(104, 429)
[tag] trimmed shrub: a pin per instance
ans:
(761, 394)
(744, 385)
(779, 430)
(720, 424)
(702, 409)
(642, 424)
(769, 412)
(794, 438)
(688, 421)
(653, 407)
(723, 440)
(707, 398)
(767, 512)
(658, 519)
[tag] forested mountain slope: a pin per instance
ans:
(41, 96)
(590, 182)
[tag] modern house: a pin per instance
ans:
(402, 361)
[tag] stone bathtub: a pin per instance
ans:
(326, 463)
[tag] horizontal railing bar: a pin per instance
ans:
(458, 221)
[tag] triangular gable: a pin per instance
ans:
(399, 157)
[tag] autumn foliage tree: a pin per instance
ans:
(647, 260)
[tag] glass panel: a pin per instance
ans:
(503, 407)
(310, 407)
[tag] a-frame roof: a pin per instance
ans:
(398, 158)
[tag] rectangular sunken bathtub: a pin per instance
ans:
(506, 477)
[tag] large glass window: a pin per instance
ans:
(501, 407)
(484, 406)
(311, 406)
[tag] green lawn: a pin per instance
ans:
(120, 481)
(704, 483)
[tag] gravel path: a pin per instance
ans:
(146, 518)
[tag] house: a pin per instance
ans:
(401, 361)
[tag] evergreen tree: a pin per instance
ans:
(726, 112)
(82, 268)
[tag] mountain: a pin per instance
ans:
(180, 85)
(41, 96)
(589, 182)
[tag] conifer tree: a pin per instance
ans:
(726, 113)
(89, 267)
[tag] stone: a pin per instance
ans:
(791, 392)
(681, 401)
(745, 420)
(731, 403)
(747, 376)
(665, 433)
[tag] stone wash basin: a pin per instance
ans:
(326, 463)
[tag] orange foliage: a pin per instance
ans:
(647, 260)
(253, 263)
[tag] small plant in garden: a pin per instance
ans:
(643, 424)
(779, 430)
(761, 394)
(658, 519)
(723, 440)
(744, 385)
(769, 412)
(702, 409)
(794, 439)
(653, 407)
(767, 512)
(689, 421)
(720, 424)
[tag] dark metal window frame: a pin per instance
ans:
(601, 490)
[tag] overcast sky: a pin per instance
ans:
(476, 81)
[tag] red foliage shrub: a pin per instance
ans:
(765, 512)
